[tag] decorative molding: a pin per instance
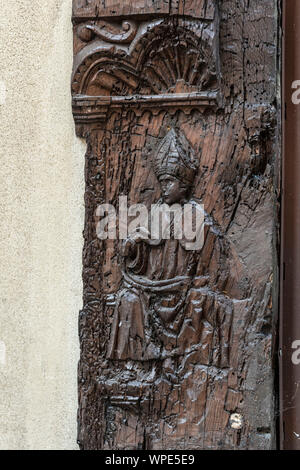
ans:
(88, 109)
(166, 64)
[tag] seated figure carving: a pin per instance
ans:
(161, 306)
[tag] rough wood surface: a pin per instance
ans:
(118, 8)
(215, 368)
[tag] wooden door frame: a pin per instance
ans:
(289, 371)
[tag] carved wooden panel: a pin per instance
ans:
(177, 101)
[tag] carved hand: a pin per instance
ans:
(128, 248)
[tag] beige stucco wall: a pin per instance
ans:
(41, 221)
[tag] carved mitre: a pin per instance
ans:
(175, 157)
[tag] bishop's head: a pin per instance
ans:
(175, 166)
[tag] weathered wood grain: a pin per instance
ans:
(223, 360)
(119, 8)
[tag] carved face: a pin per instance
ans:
(172, 189)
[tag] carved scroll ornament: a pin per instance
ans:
(87, 32)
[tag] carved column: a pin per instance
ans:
(192, 367)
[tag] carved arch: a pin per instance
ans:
(175, 54)
(91, 76)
